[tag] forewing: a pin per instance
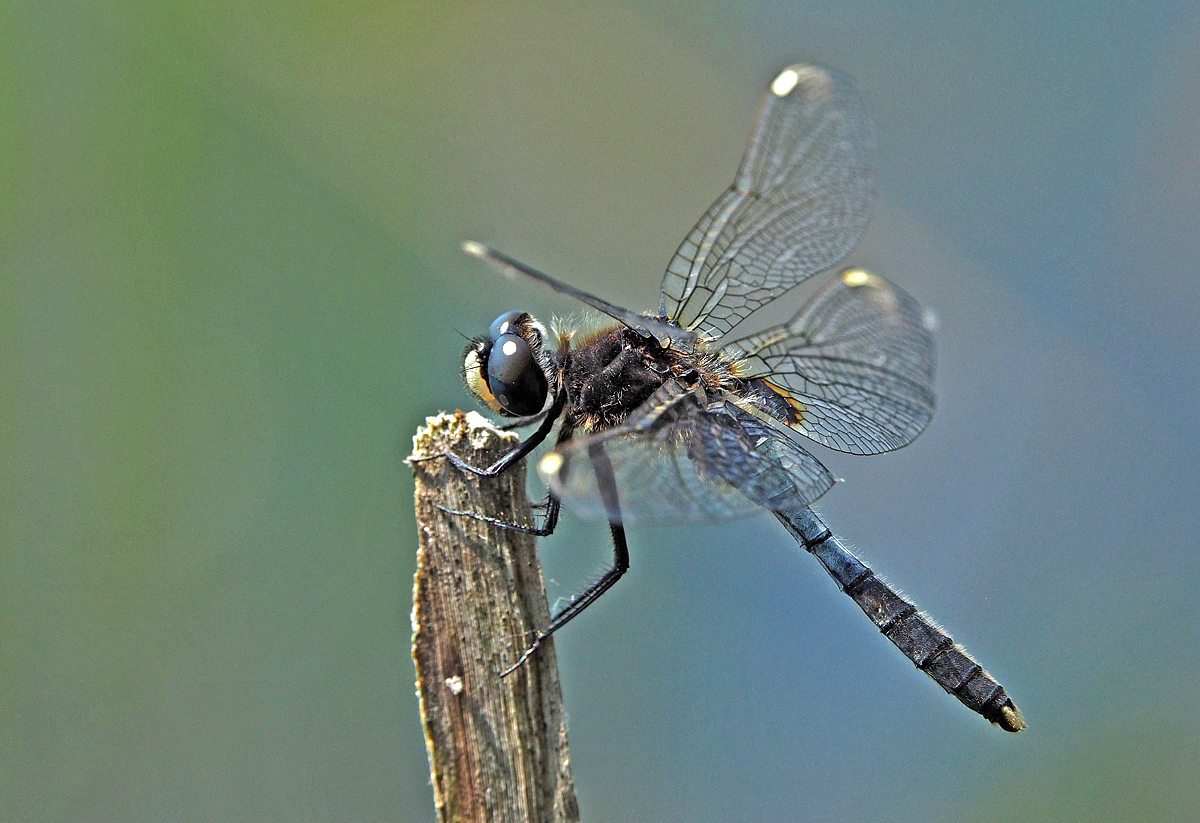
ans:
(687, 456)
(857, 361)
(801, 200)
(512, 268)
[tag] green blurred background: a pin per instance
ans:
(230, 290)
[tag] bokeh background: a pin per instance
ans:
(230, 289)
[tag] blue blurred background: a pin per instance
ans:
(230, 289)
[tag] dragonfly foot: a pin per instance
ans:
(537, 531)
(525, 655)
(455, 461)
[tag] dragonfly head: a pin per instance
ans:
(507, 368)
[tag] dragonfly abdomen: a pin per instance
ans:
(928, 647)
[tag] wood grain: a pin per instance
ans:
(497, 748)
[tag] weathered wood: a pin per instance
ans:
(497, 748)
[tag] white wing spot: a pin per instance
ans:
(857, 277)
(785, 82)
(929, 320)
(550, 464)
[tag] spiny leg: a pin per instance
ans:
(607, 485)
(514, 455)
(585, 598)
(552, 505)
(549, 520)
(522, 422)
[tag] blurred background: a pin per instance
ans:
(230, 290)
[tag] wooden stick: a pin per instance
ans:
(497, 748)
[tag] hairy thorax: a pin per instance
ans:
(612, 373)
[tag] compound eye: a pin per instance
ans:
(505, 323)
(514, 376)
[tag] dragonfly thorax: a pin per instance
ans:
(614, 372)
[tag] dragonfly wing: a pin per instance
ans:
(686, 455)
(856, 361)
(514, 269)
(800, 202)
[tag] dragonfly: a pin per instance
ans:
(677, 415)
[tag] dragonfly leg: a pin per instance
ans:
(549, 520)
(522, 422)
(513, 455)
(585, 598)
